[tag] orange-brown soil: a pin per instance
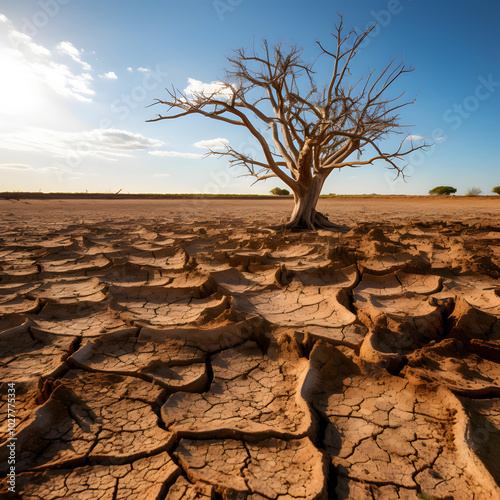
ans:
(182, 349)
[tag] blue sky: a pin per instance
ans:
(76, 77)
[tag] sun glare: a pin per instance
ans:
(21, 91)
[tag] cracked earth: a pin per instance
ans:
(202, 357)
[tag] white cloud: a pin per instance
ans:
(69, 49)
(64, 82)
(439, 139)
(196, 87)
(130, 68)
(27, 70)
(20, 40)
(176, 154)
(20, 167)
(212, 144)
(16, 166)
(412, 137)
(125, 140)
(162, 175)
(57, 169)
(143, 70)
(109, 144)
(111, 75)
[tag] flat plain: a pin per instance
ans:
(184, 349)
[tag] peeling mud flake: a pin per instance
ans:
(182, 489)
(171, 363)
(250, 394)
(468, 323)
(163, 258)
(144, 479)
(233, 281)
(86, 319)
(14, 304)
(128, 274)
(350, 335)
(92, 416)
(210, 340)
(345, 278)
(298, 305)
(80, 264)
(267, 469)
(26, 404)
(483, 431)
(449, 364)
(161, 306)
(69, 290)
(388, 431)
(25, 357)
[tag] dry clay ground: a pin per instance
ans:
(180, 350)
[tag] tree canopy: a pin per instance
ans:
(442, 190)
(313, 130)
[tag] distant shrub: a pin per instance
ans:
(496, 190)
(473, 192)
(442, 190)
(280, 192)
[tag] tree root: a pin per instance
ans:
(321, 221)
(315, 222)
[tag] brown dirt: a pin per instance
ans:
(181, 349)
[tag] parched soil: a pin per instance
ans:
(182, 349)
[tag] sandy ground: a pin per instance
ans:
(342, 210)
(179, 349)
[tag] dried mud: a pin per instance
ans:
(196, 354)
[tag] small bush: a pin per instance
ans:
(496, 190)
(442, 190)
(473, 192)
(280, 192)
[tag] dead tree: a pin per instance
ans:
(308, 133)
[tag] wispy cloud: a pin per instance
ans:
(125, 140)
(55, 169)
(212, 144)
(412, 137)
(21, 167)
(143, 70)
(161, 175)
(108, 144)
(130, 68)
(111, 75)
(176, 154)
(69, 49)
(19, 40)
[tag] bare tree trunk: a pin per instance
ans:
(304, 215)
